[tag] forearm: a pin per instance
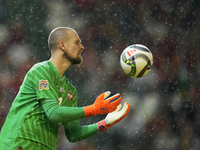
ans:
(60, 113)
(74, 132)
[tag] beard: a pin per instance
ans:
(74, 61)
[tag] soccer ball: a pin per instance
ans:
(136, 61)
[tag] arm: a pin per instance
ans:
(74, 132)
(62, 113)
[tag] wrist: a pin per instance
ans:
(101, 125)
(89, 111)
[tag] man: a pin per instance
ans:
(46, 99)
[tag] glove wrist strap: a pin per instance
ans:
(101, 125)
(89, 111)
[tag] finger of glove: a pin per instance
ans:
(125, 108)
(128, 107)
(118, 115)
(99, 104)
(112, 102)
(114, 116)
(102, 96)
(116, 109)
(123, 112)
(106, 94)
(100, 99)
(114, 98)
(108, 105)
(112, 107)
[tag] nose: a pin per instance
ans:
(82, 47)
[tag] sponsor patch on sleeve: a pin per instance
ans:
(43, 84)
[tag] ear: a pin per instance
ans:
(61, 45)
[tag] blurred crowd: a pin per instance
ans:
(165, 104)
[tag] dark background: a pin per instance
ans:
(165, 104)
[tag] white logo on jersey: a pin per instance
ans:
(60, 100)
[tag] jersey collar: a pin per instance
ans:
(55, 70)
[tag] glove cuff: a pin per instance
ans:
(101, 125)
(89, 111)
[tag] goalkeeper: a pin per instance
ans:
(46, 100)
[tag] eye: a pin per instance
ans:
(77, 42)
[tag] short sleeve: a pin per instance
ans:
(41, 80)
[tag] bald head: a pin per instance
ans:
(56, 35)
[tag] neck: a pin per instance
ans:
(60, 63)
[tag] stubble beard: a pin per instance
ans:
(74, 61)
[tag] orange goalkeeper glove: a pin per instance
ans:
(114, 117)
(103, 105)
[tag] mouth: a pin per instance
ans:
(79, 53)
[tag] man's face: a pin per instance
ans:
(74, 48)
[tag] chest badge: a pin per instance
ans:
(70, 96)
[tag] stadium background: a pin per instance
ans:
(165, 105)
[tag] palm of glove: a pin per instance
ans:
(117, 115)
